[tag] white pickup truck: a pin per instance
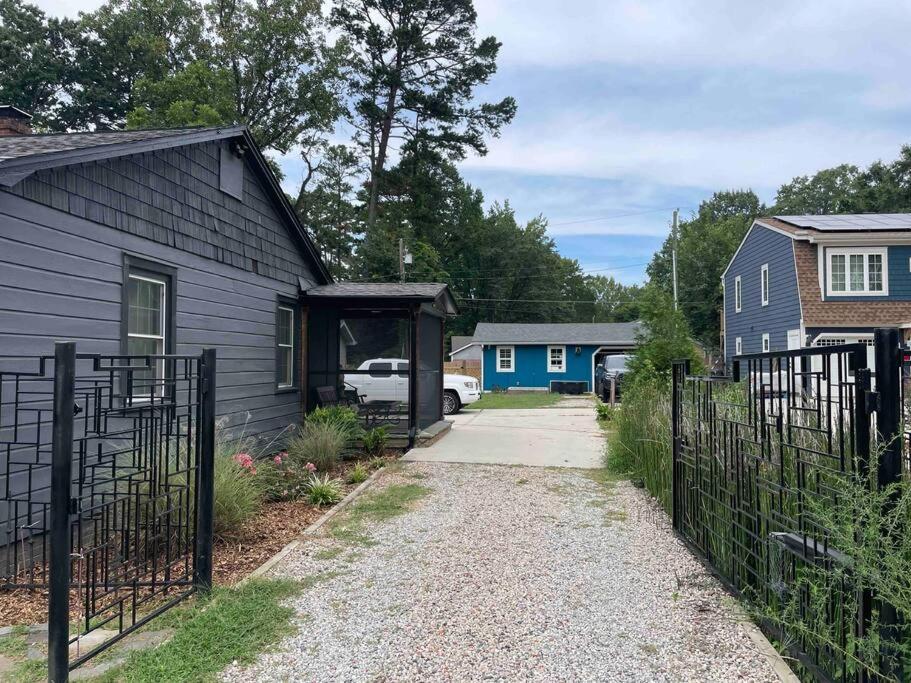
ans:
(387, 380)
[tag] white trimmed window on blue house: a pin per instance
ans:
(764, 278)
(738, 346)
(505, 359)
(766, 346)
(556, 359)
(738, 301)
(857, 272)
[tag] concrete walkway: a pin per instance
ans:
(564, 435)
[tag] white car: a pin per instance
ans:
(387, 380)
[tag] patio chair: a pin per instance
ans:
(329, 396)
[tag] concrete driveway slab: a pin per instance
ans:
(540, 437)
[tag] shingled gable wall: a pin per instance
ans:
(819, 313)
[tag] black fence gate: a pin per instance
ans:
(106, 490)
(759, 465)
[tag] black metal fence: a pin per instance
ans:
(106, 490)
(759, 463)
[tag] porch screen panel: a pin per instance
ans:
(430, 370)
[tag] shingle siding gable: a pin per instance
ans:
(172, 196)
(762, 246)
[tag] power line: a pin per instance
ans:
(611, 217)
(560, 301)
(505, 272)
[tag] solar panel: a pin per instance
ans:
(852, 221)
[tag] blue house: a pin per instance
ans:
(802, 281)
(521, 356)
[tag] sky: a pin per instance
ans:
(627, 110)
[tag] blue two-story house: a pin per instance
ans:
(801, 281)
(536, 356)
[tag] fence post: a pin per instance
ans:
(888, 356)
(205, 493)
(681, 368)
(58, 613)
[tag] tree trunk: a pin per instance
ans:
(385, 132)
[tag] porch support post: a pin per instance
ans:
(413, 376)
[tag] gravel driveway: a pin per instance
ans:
(510, 573)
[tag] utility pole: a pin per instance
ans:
(674, 256)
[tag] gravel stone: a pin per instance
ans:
(511, 573)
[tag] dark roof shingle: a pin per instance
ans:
(557, 333)
(18, 146)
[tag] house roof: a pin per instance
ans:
(23, 155)
(418, 292)
(459, 342)
(618, 334)
(849, 222)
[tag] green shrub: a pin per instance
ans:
(604, 411)
(282, 478)
(341, 417)
(359, 473)
(323, 490)
(639, 445)
(375, 441)
(376, 462)
(320, 443)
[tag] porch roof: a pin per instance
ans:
(385, 293)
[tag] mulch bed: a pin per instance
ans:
(273, 528)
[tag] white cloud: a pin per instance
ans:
(601, 146)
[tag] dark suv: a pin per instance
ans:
(611, 368)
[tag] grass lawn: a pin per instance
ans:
(529, 399)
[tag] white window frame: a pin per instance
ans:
(766, 343)
(738, 295)
(847, 252)
(764, 285)
(159, 366)
(550, 366)
(738, 346)
(512, 359)
(280, 345)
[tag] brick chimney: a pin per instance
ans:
(14, 121)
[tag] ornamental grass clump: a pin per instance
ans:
(320, 443)
(358, 474)
(344, 419)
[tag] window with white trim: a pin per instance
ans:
(857, 272)
(147, 324)
(738, 346)
(284, 343)
(766, 345)
(764, 279)
(556, 359)
(738, 295)
(505, 359)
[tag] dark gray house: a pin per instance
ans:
(167, 241)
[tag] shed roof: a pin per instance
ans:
(617, 334)
(418, 292)
(459, 342)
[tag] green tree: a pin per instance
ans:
(265, 65)
(665, 337)
(613, 301)
(330, 211)
(413, 67)
(120, 44)
(705, 244)
(833, 190)
(35, 61)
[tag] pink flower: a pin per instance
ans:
(278, 459)
(311, 467)
(245, 460)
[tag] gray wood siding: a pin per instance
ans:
(61, 268)
(783, 311)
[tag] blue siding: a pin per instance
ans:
(899, 263)
(530, 363)
(783, 311)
